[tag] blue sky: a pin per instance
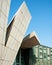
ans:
(41, 23)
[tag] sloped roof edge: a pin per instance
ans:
(30, 40)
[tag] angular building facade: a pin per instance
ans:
(12, 36)
(4, 11)
(33, 55)
(18, 27)
(23, 56)
(14, 48)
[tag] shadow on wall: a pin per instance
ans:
(32, 59)
(8, 31)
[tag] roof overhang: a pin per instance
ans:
(30, 40)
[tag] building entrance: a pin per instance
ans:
(22, 57)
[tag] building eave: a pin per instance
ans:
(30, 40)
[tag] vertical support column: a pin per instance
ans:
(46, 56)
(38, 56)
(42, 55)
(49, 53)
(50, 57)
(15, 61)
(20, 57)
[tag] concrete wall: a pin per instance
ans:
(9, 49)
(4, 11)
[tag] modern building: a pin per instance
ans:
(33, 53)
(15, 49)
(28, 43)
(16, 32)
(4, 11)
(12, 36)
(30, 40)
(43, 55)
